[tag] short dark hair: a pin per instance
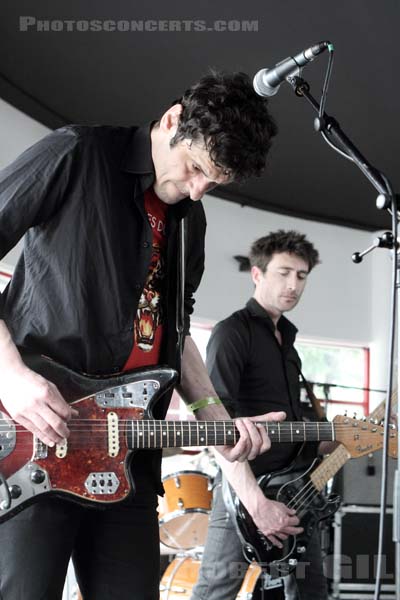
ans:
(224, 111)
(276, 242)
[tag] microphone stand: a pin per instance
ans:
(335, 137)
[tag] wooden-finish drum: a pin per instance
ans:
(179, 578)
(182, 573)
(184, 509)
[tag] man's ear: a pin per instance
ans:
(256, 274)
(170, 119)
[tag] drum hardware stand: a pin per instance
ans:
(387, 199)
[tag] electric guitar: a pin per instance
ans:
(115, 419)
(304, 494)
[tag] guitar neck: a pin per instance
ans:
(379, 412)
(172, 434)
(329, 467)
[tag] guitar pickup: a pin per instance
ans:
(113, 434)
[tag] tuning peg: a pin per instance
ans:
(345, 413)
(354, 415)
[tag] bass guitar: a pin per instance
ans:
(302, 493)
(115, 419)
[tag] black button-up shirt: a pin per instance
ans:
(253, 374)
(78, 196)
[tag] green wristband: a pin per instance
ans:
(203, 403)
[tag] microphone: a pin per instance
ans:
(267, 81)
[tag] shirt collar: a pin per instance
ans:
(138, 160)
(285, 326)
(138, 157)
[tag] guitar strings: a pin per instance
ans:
(101, 425)
(303, 497)
(96, 428)
(148, 426)
(284, 428)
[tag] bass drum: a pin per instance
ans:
(184, 509)
(179, 578)
(181, 575)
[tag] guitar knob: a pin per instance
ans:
(292, 562)
(300, 549)
(38, 476)
(15, 491)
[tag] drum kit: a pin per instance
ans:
(182, 573)
(184, 510)
(183, 520)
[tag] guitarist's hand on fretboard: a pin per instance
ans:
(253, 438)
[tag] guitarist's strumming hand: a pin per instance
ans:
(30, 399)
(274, 519)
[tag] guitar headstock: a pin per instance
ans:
(363, 436)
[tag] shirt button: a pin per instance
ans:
(137, 286)
(146, 244)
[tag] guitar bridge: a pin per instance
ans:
(40, 449)
(7, 436)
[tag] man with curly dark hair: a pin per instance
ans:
(99, 288)
(235, 127)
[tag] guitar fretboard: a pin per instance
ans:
(171, 434)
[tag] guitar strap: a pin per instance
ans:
(180, 295)
(319, 411)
